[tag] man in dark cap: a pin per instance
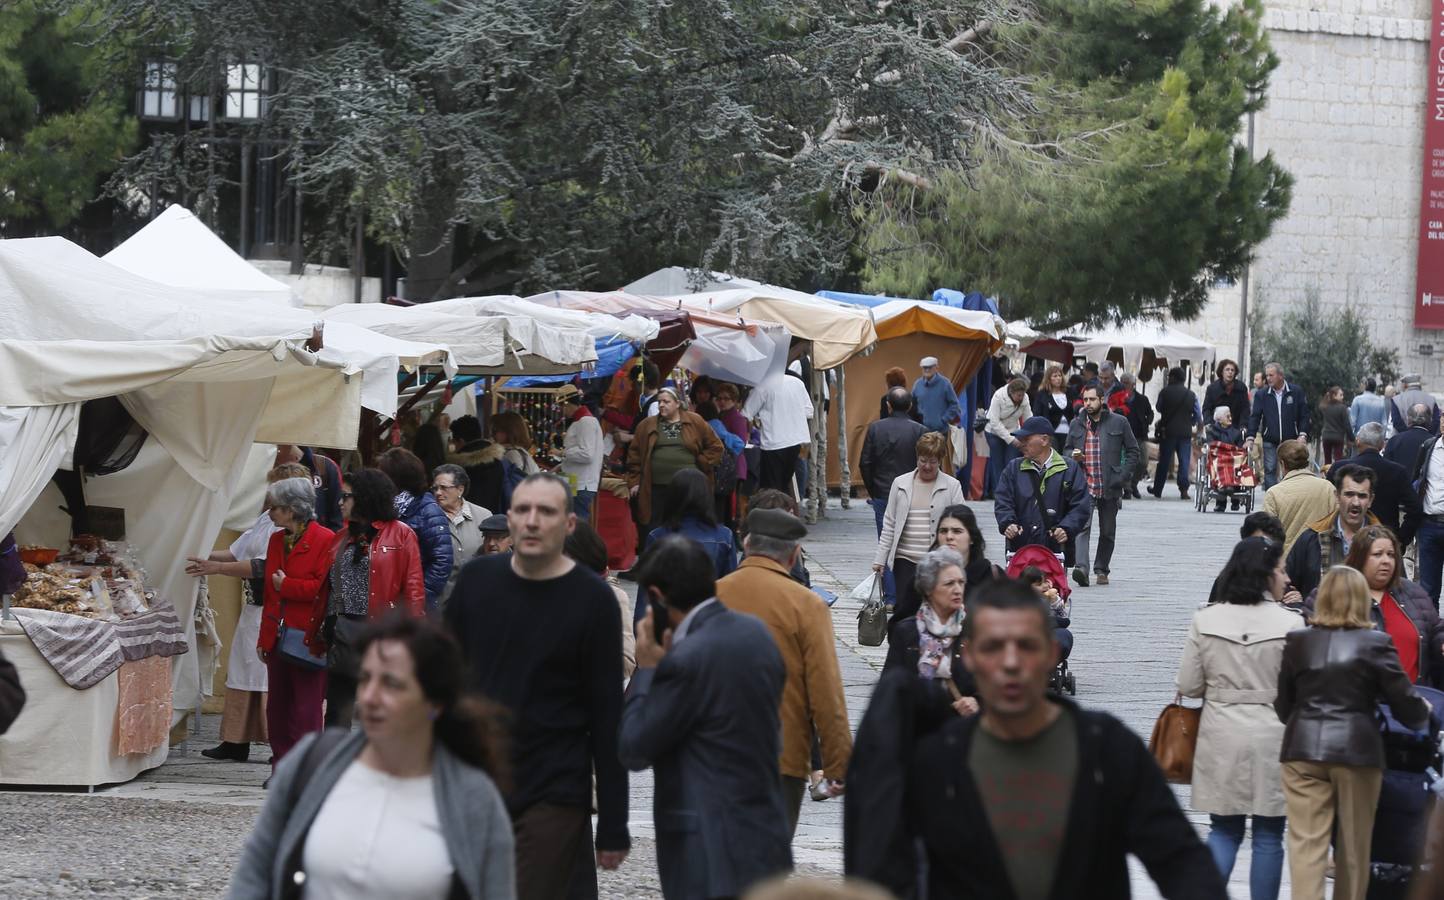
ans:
(495, 535)
(1066, 507)
(801, 625)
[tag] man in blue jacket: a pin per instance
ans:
(1065, 507)
(935, 398)
(702, 712)
(1280, 413)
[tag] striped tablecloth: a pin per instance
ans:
(84, 651)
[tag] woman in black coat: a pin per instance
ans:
(1054, 401)
(929, 645)
(1228, 391)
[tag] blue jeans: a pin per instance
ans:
(1270, 465)
(1267, 867)
(1000, 453)
(889, 587)
(582, 505)
(1168, 448)
(1430, 540)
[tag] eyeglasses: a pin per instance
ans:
(444, 487)
(347, 495)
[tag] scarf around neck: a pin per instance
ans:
(935, 642)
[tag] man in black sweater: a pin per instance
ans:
(1049, 799)
(542, 636)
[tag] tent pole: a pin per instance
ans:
(844, 480)
(817, 499)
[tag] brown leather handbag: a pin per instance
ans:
(1175, 735)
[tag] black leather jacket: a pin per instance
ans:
(1329, 685)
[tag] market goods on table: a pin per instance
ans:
(95, 578)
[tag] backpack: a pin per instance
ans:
(724, 474)
(511, 476)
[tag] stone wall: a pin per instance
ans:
(1345, 116)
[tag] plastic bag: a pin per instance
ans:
(865, 588)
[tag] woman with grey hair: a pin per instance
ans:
(930, 643)
(297, 562)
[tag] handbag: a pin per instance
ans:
(291, 644)
(872, 620)
(1175, 735)
(343, 634)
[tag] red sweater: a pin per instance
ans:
(302, 597)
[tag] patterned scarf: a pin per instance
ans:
(935, 642)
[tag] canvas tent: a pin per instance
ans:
(908, 330)
(479, 345)
(1138, 346)
(176, 248)
(838, 331)
(726, 347)
(200, 378)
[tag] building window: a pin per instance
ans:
(245, 97)
(200, 107)
(158, 99)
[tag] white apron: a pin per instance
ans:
(244, 669)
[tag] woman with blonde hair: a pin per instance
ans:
(1332, 678)
(915, 503)
(1055, 402)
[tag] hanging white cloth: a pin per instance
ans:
(34, 442)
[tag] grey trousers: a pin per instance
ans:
(1106, 512)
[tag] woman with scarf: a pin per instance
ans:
(930, 643)
(376, 568)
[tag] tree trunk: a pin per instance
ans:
(433, 240)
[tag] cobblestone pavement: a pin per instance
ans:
(176, 831)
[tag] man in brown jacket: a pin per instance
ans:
(801, 625)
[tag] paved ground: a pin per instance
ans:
(176, 831)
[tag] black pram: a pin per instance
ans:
(1405, 800)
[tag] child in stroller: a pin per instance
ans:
(1041, 569)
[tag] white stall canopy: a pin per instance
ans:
(198, 378)
(176, 248)
(1133, 339)
(480, 345)
(838, 331)
(726, 347)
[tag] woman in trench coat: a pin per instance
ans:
(1232, 659)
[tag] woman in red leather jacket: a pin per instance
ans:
(376, 568)
(297, 561)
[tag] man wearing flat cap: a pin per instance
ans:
(801, 625)
(582, 452)
(935, 399)
(1062, 508)
(495, 535)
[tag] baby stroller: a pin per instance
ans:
(1225, 475)
(1411, 767)
(1052, 566)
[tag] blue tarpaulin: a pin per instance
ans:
(612, 354)
(868, 300)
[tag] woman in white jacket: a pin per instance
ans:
(1232, 659)
(915, 502)
(1008, 409)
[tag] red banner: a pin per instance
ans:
(1429, 286)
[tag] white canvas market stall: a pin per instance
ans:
(1136, 344)
(727, 348)
(200, 381)
(177, 249)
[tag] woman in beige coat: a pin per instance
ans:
(1232, 658)
(915, 503)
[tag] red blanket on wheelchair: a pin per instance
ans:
(1228, 466)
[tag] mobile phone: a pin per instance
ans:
(659, 621)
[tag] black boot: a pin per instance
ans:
(227, 750)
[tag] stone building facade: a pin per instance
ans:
(1345, 116)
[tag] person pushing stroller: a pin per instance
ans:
(1042, 498)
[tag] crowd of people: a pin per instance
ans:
(454, 696)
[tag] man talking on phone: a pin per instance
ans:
(701, 711)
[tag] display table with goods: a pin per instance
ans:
(93, 648)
